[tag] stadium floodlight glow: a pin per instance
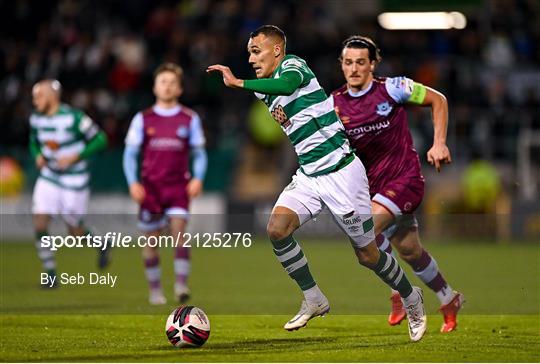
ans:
(423, 20)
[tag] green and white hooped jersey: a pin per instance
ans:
(62, 134)
(309, 120)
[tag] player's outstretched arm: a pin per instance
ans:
(286, 84)
(439, 153)
(228, 77)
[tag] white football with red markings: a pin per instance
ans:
(187, 326)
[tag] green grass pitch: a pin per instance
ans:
(248, 298)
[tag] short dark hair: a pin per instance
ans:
(358, 41)
(269, 31)
(170, 67)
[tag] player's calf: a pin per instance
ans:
(48, 262)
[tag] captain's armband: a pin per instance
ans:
(418, 94)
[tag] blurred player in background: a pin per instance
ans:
(61, 140)
(329, 175)
(165, 134)
(373, 113)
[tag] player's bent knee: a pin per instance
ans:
(277, 230)
(41, 222)
(368, 256)
(281, 225)
(149, 252)
(410, 251)
(76, 230)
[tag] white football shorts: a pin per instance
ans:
(52, 199)
(344, 192)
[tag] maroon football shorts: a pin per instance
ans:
(401, 196)
(162, 201)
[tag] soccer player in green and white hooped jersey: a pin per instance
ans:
(61, 139)
(329, 175)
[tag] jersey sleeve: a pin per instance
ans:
(293, 65)
(403, 89)
(196, 133)
(285, 84)
(87, 127)
(135, 132)
(34, 146)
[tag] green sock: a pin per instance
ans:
(292, 258)
(388, 269)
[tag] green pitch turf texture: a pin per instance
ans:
(248, 298)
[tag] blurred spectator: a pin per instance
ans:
(104, 53)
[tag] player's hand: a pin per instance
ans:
(228, 78)
(137, 193)
(40, 161)
(439, 154)
(194, 188)
(65, 162)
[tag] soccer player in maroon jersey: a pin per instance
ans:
(166, 134)
(373, 112)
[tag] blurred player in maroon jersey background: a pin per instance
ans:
(166, 134)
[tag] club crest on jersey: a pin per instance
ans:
(52, 144)
(182, 132)
(279, 115)
(384, 108)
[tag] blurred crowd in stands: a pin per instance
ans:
(104, 53)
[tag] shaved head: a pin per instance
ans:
(275, 35)
(46, 96)
(266, 48)
(52, 86)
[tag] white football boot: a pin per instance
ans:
(156, 297)
(181, 293)
(416, 315)
(308, 310)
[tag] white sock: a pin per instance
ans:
(445, 295)
(313, 294)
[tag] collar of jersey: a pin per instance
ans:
(287, 56)
(166, 112)
(361, 92)
(62, 109)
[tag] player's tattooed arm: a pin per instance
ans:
(439, 153)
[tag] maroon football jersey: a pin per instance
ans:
(165, 148)
(376, 124)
